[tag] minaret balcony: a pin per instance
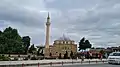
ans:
(47, 23)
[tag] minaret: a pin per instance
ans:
(47, 36)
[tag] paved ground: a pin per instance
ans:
(47, 63)
(83, 65)
(91, 65)
(71, 65)
(43, 61)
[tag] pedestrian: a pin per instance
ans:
(90, 55)
(100, 56)
(106, 55)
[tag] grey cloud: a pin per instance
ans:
(15, 12)
(68, 4)
(97, 20)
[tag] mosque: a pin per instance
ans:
(60, 46)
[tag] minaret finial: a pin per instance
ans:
(48, 16)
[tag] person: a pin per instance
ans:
(87, 55)
(106, 55)
(90, 55)
(96, 55)
(100, 56)
(82, 56)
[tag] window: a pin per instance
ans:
(115, 54)
(61, 42)
(69, 42)
(72, 42)
(57, 42)
(65, 42)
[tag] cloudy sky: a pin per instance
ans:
(97, 20)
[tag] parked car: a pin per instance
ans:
(114, 58)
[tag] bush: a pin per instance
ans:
(19, 55)
(26, 58)
(29, 56)
(34, 58)
(4, 58)
(15, 59)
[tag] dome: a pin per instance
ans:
(64, 38)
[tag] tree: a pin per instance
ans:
(26, 42)
(84, 44)
(0, 32)
(50, 54)
(87, 44)
(59, 56)
(81, 44)
(42, 53)
(66, 55)
(32, 49)
(10, 41)
(71, 54)
(11, 33)
(40, 49)
(93, 48)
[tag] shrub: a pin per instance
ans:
(4, 58)
(34, 58)
(29, 56)
(26, 58)
(15, 59)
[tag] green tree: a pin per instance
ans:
(42, 53)
(81, 44)
(71, 54)
(10, 41)
(84, 44)
(0, 33)
(60, 57)
(66, 55)
(87, 44)
(26, 42)
(11, 34)
(50, 54)
(40, 49)
(32, 49)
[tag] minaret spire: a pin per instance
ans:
(48, 16)
(48, 19)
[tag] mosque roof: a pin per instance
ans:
(64, 38)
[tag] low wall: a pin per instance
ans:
(45, 62)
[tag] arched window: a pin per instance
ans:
(57, 42)
(72, 42)
(65, 42)
(68, 42)
(61, 42)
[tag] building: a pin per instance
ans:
(60, 46)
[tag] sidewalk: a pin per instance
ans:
(60, 65)
(47, 62)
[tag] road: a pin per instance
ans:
(81, 65)
(91, 65)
